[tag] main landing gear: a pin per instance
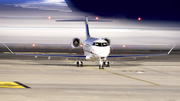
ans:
(105, 64)
(79, 63)
(102, 63)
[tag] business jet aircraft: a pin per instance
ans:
(94, 48)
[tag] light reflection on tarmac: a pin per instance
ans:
(143, 79)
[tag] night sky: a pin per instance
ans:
(131, 9)
(147, 9)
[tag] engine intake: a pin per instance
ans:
(107, 40)
(75, 42)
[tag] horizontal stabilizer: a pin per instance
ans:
(77, 20)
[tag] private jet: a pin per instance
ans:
(94, 48)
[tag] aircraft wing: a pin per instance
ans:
(138, 55)
(81, 56)
(49, 55)
(53, 55)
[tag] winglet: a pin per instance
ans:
(8, 49)
(171, 49)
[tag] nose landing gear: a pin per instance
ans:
(103, 63)
(101, 67)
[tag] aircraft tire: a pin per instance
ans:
(101, 67)
(77, 64)
(104, 63)
(108, 64)
(81, 64)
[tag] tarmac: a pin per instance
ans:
(25, 78)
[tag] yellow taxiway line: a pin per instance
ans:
(123, 75)
(5, 84)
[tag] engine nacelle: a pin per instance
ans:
(75, 42)
(107, 40)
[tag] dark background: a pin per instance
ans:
(131, 9)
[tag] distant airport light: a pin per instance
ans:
(124, 46)
(97, 18)
(139, 18)
(81, 45)
(49, 17)
(33, 45)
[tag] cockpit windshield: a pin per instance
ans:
(104, 44)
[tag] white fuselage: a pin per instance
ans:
(95, 48)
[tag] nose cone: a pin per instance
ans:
(102, 51)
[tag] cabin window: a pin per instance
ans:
(104, 44)
(100, 44)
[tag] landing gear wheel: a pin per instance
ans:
(104, 63)
(77, 64)
(101, 67)
(81, 64)
(107, 64)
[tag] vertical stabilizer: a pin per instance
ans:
(87, 27)
(86, 23)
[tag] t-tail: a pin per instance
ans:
(86, 23)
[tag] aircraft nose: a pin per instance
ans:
(103, 53)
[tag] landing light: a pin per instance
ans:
(49, 17)
(139, 18)
(81, 45)
(124, 46)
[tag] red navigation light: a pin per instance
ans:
(33, 45)
(97, 18)
(139, 18)
(124, 46)
(49, 17)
